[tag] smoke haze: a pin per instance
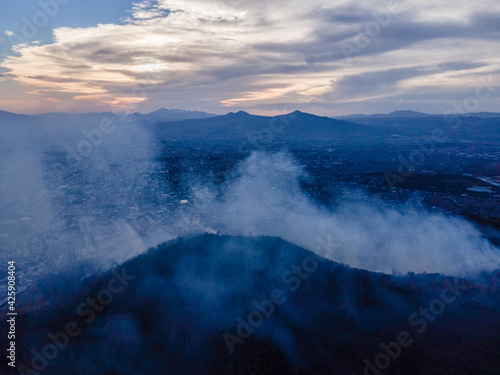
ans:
(115, 203)
(265, 198)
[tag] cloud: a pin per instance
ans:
(193, 53)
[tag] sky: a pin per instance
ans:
(266, 57)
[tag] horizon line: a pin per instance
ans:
(215, 115)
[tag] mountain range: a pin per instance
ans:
(172, 115)
(414, 114)
(293, 127)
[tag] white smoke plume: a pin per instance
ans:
(266, 199)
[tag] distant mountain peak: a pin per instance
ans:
(296, 113)
(395, 114)
(239, 114)
(170, 115)
(165, 110)
(407, 113)
(301, 115)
